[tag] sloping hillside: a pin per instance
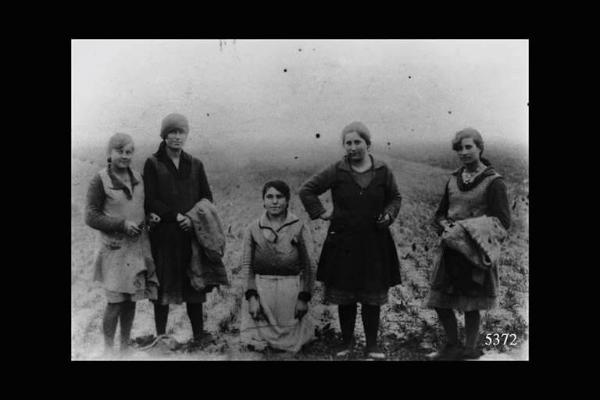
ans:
(408, 330)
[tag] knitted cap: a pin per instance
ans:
(172, 122)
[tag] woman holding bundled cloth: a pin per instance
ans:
(124, 265)
(279, 276)
(358, 262)
(177, 191)
(472, 219)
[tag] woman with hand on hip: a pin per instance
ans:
(124, 264)
(358, 262)
(475, 202)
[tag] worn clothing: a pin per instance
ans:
(208, 247)
(358, 255)
(281, 252)
(363, 178)
(477, 239)
(486, 195)
(335, 177)
(118, 297)
(170, 191)
(343, 297)
(124, 264)
(456, 281)
(277, 327)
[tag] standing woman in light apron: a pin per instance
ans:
(124, 264)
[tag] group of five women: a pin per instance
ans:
(146, 237)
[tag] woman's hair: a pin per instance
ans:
(118, 141)
(465, 134)
(360, 129)
(472, 134)
(280, 186)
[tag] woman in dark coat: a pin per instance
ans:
(473, 191)
(175, 181)
(358, 262)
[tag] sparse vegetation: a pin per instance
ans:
(408, 331)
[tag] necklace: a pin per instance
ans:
(468, 177)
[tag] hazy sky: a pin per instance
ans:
(236, 93)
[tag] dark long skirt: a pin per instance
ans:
(172, 252)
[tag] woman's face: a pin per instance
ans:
(468, 152)
(121, 158)
(275, 202)
(175, 140)
(355, 146)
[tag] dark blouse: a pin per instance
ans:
(169, 190)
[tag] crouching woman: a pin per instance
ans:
(279, 276)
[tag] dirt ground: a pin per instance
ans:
(408, 331)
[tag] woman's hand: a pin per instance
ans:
(384, 220)
(153, 219)
(185, 222)
(446, 225)
(301, 309)
(131, 228)
(254, 308)
(326, 216)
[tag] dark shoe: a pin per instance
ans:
(450, 352)
(203, 340)
(374, 352)
(471, 354)
(274, 350)
(143, 341)
(345, 349)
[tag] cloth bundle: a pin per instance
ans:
(208, 247)
(479, 240)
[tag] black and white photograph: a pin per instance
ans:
(300, 200)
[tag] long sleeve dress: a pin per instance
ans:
(170, 191)
(279, 270)
(359, 261)
(452, 283)
(124, 264)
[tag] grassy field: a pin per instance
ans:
(408, 331)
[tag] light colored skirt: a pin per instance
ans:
(277, 327)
